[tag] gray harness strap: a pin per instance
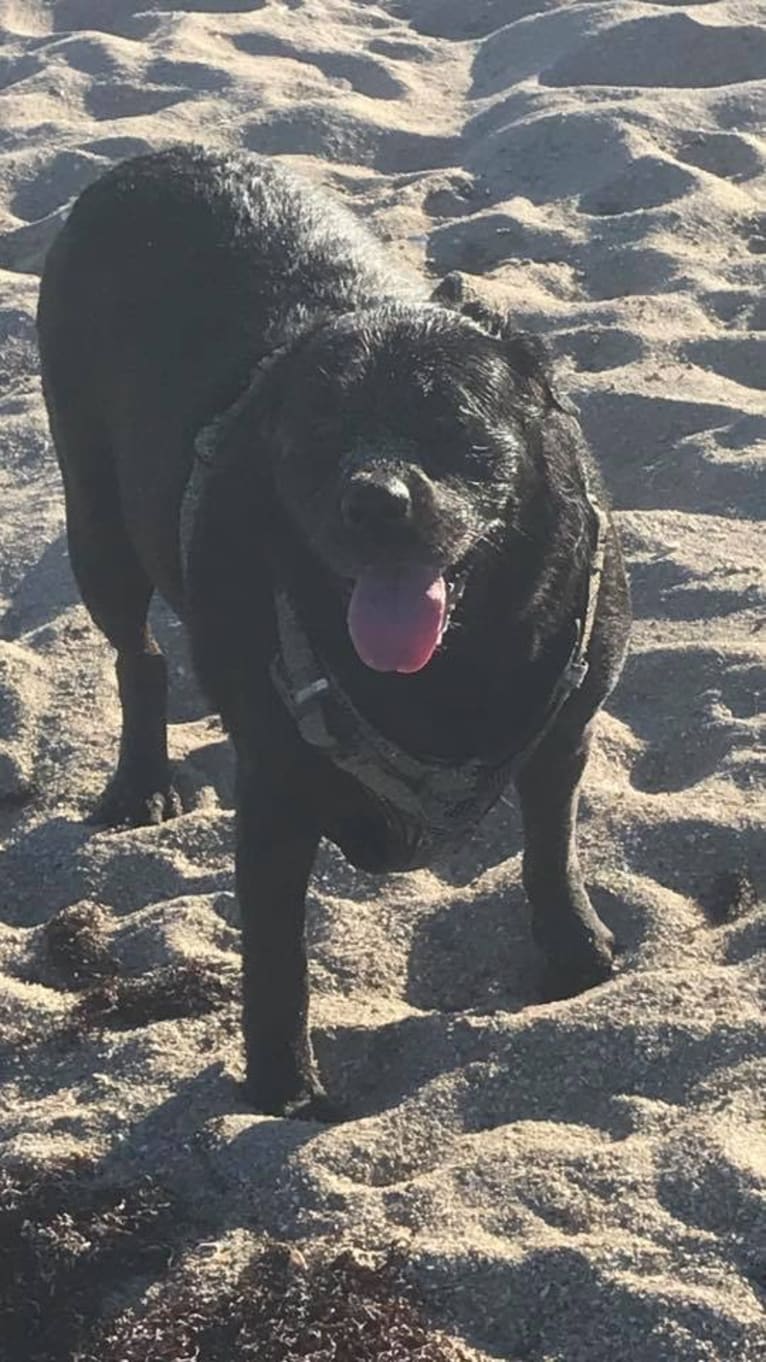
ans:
(430, 802)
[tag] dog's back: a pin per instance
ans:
(174, 274)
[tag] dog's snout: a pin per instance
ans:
(371, 502)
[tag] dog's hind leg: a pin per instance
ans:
(577, 946)
(117, 593)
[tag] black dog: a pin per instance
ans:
(380, 525)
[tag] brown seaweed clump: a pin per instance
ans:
(66, 1242)
(282, 1308)
(162, 994)
(75, 943)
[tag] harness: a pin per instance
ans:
(429, 804)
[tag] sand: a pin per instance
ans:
(582, 1181)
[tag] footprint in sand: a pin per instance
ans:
(196, 76)
(547, 157)
(316, 130)
(727, 154)
(665, 50)
(56, 182)
(136, 18)
(15, 69)
(520, 51)
(595, 349)
(659, 451)
(713, 726)
(742, 359)
(362, 72)
(473, 953)
(744, 309)
(109, 101)
(401, 49)
(646, 183)
(458, 20)
(483, 242)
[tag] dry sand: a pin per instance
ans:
(577, 1182)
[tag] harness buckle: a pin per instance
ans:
(305, 706)
(576, 672)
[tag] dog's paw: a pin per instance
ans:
(309, 1105)
(585, 965)
(126, 803)
(315, 1107)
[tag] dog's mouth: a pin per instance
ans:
(398, 615)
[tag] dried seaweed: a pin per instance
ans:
(188, 990)
(66, 1240)
(76, 945)
(282, 1308)
(69, 1242)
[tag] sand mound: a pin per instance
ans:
(561, 1183)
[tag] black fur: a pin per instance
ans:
(174, 276)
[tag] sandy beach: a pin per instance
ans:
(581, 1181)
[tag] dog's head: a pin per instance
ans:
(399, 438)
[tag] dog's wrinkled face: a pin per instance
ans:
(396, 455)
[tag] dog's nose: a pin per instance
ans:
(371, 502)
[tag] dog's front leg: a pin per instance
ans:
(577, 946)
(277, 838)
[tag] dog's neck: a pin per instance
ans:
(495, 672)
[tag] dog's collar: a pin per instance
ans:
(434, 801)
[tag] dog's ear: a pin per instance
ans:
(527, 354)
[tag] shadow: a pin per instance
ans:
(112, 100)
(362, 72)
(44, 592)
(40, 868)
(135, 18)
(477, 245)
(519, 147)
(704, 1188)
(197, 76)
(744, 432)
(516, 52)
(62, 177)
(661, 588)
(554, 1302)
(595, 349)
(496, 840)
(747, 942)
(186, 1141)
(689, 854)
(456, 20)
(476, 955)
(53, 864)
(497, 1068)
(627, 921)
(676, 701)
(316, 130)
(650, 462)
(373, 1070)
(579, 1088)
(741, 358)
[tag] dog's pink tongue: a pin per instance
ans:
(396, 618)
